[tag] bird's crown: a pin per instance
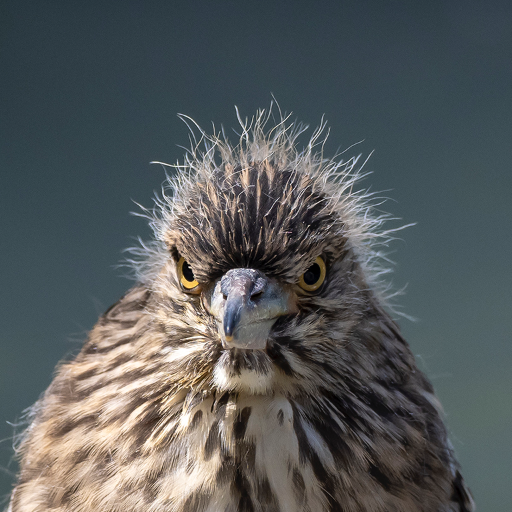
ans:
(264, 204)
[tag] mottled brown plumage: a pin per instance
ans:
(250, 389)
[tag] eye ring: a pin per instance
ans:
(186, 276)
(314, 276)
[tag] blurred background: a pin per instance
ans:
(89, 96)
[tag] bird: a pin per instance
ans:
(255, 365)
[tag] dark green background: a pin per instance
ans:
(89, 95)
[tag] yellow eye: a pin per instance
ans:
(314, 276)
(186, 275)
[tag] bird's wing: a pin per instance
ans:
(461, 497)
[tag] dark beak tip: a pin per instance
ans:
(231, 318)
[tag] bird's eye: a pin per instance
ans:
(186, 275)
(314, 276)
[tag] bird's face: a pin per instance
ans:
(259, 272)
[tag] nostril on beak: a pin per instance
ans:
(256, 294)
(258, 288)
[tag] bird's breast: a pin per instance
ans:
(230, 448)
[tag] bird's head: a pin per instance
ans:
(263, 268)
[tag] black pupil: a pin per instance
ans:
(187, 272)
(312, 274)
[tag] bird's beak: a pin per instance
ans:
(245, 304)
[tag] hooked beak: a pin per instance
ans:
(245, 304)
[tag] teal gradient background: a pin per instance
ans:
(89, 93)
